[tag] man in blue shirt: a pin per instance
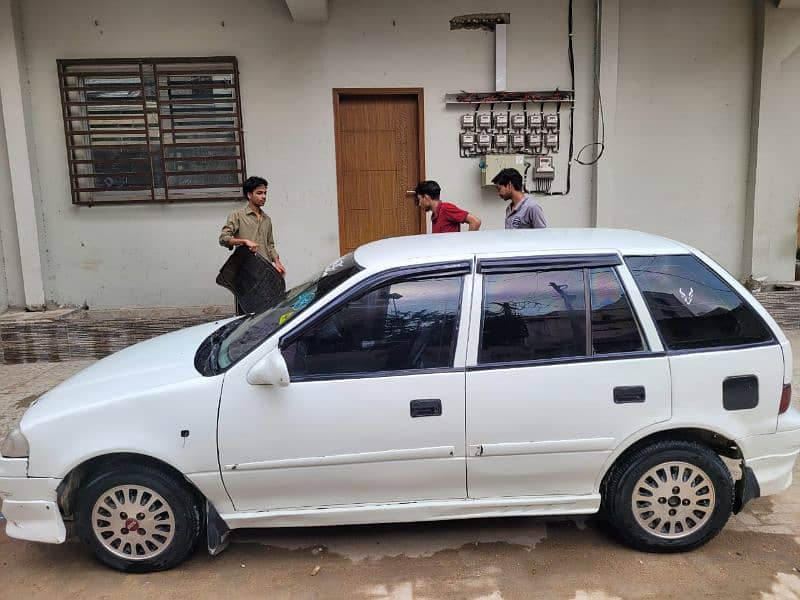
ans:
(523, 212)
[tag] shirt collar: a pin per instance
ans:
(512, 209)
(248, 210)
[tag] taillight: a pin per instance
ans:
(786, 398)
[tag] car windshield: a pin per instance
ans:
(254, 329)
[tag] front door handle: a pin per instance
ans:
(426, 408)
(629, 394)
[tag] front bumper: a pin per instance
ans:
(771, 458)
(30, 504)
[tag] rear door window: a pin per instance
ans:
(614, 328)
(533, 316)
(692, 306)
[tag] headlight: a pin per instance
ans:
(15, 445)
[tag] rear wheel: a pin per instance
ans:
(138, 518)
(669, 497)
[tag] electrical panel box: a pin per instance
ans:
(492, 164)
(526, 138)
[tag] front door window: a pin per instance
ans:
(401, 326)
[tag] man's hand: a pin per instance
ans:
(279, 266)
(252, 246)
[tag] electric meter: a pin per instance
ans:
(501, 140)
(518, 140)
(468, 121)
(501, 120)
(551, 121)
(485, 140)
(518, 121)
(535, 120)
(543, 168)
(467, 140)
(484, 120)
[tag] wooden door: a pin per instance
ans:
(379, 157)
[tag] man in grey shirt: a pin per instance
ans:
(523, 212)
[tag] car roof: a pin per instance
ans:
(441, 247)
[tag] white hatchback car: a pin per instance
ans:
(549, 372)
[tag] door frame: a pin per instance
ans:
(419, 93)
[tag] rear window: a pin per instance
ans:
(692, 306)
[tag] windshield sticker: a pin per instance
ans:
(285, 317)
(334, 266)
(687, 296)
(303, 300)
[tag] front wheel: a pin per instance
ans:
(671, 496)
(138, 518)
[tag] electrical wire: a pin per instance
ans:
(547, 183)
(601, 143)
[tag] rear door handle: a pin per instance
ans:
(629, 394)
(426, 408)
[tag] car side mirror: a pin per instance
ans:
(270, 370)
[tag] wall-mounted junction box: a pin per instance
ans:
(492, 164)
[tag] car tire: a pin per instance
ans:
(671, 496)
(138, 518)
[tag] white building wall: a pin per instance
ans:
(12, 291)
(168, 255)
(681, 134)
(5, 223)
(775, 190)
(682, 122)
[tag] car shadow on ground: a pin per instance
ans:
(483, 558)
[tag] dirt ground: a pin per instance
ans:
(756, 556)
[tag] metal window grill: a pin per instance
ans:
(152, 129)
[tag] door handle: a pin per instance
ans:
(629, 394)
(426, 408)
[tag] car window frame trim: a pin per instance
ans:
(375, 374)
(559, 262)
(544, 362)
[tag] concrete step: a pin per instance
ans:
(783, 305)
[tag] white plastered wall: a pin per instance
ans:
(13, 93)
(682, 117)
(681, 124)
(168, 255)
(5, 223)
(775, 192)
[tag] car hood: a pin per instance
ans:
(161, 361)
